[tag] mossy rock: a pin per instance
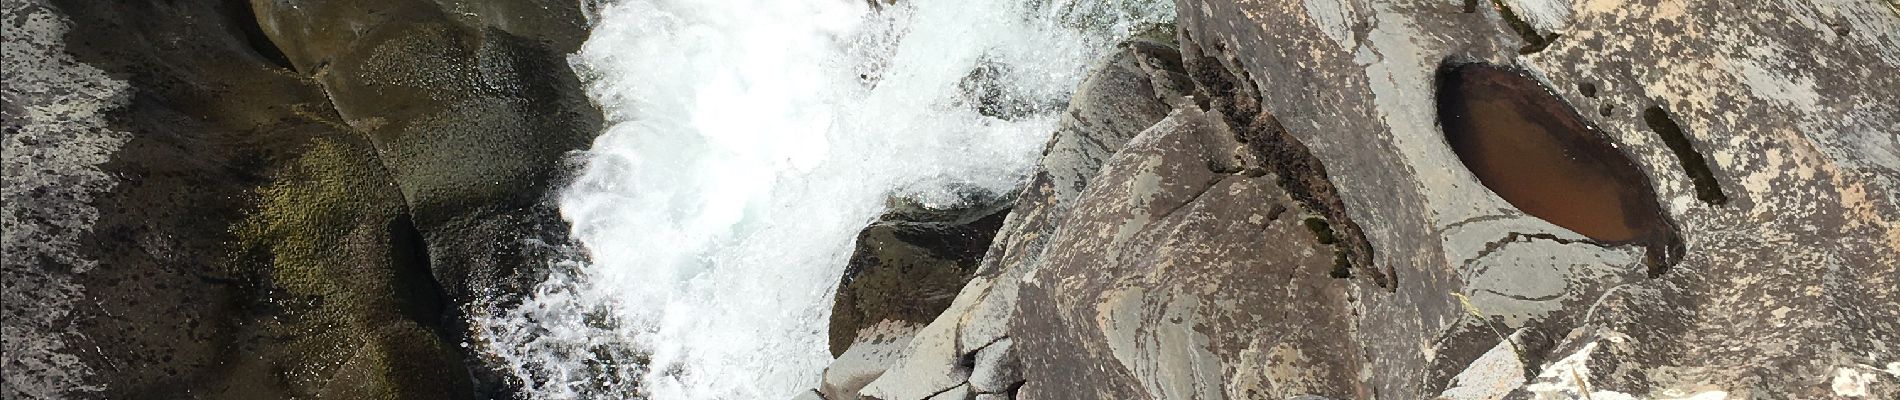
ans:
(346, 265)
(277, 207)
(468, 110)
(559, 24)
(312, 32)
(472, 107)
(403, 361)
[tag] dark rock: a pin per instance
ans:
(906, 269)
(473, 120)
(304, 200)
(472, 106)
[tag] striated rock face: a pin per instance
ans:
(1276, 211)
(286, 200)
(1181, 273)
(966, 349)
(1768, 148)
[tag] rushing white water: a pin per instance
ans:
(749, 141)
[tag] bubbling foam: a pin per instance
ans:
(749, 141)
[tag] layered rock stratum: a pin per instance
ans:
(1294, 223)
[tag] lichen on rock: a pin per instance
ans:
(1768, 173)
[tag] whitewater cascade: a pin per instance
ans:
(749, 141)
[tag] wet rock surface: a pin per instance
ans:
(1180, 263)
(472, 113)
(1126, 95)
(908, 266)
(1173, 279)
(287, 215)
(904, 272)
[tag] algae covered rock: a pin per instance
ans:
(472, 113)
(265, 226)
(179, 304)
(348, 268)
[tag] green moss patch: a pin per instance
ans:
(309, 209)
(340, 265)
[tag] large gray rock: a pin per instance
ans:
(995, 368)
(873, 349)
(1182, 274)
(1785, 289)
(1766, 139)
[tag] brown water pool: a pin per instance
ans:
(1534, 151)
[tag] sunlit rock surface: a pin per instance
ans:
(1176, 278)
(1779, 288)
(1766, 140)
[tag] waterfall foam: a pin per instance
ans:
(749, 141)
